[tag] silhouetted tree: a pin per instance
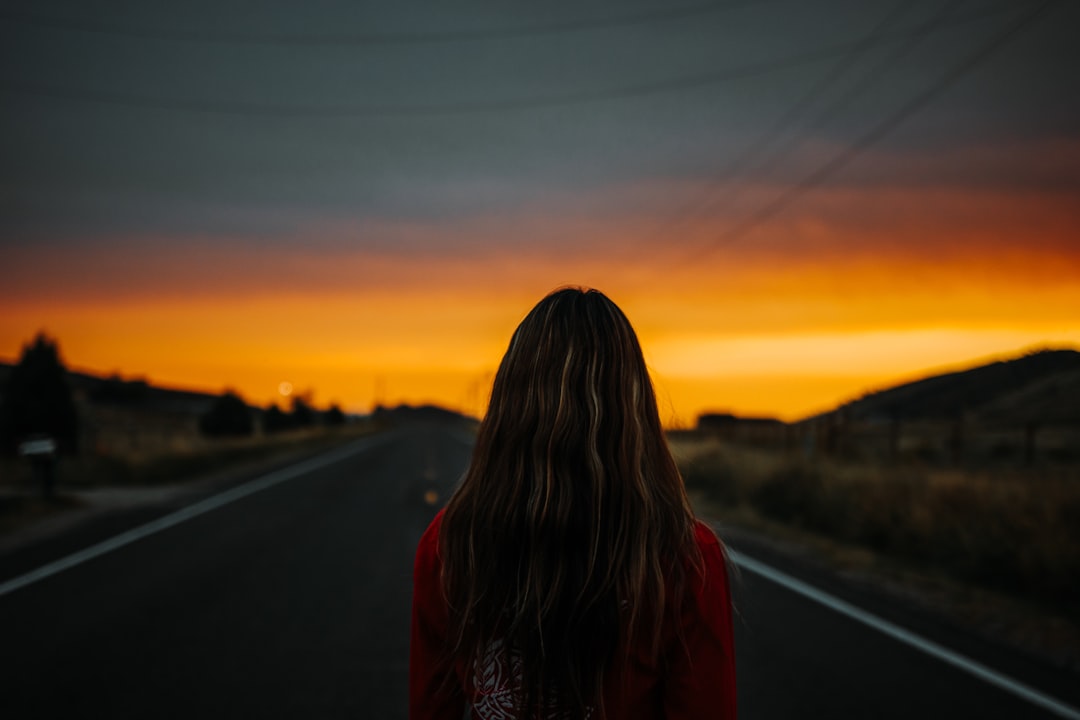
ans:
(334, 416)
(229, 415)
(38, 400)
(274, 420)
(302, 413)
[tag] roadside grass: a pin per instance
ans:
(1010, 532)
(21, 502)
(20, 510)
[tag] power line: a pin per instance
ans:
(760, 145)
(866, 82)
(876, 133)
(632, 90)
(375, 38)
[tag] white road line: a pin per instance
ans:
(918, 642)
(203, 506)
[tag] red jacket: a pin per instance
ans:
(696, 684)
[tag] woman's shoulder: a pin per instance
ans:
(712, 569)
(436, 523)
(427, 551)
(706, 537)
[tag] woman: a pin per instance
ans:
(567, 577)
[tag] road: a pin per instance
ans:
(291, 600)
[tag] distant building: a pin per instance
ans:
(742, 429)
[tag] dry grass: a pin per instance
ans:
(1014, 531)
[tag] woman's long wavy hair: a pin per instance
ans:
(570, 532)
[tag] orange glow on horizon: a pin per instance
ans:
(427, 348)
(856, 290)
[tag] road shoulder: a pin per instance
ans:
(1025, 648)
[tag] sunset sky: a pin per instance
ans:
(793, 202)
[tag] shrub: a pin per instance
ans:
(712, 476)
(228, 416)
(1014, 532)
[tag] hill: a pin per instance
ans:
(135, 393)
(1041, 386)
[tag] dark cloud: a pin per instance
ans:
(127, 124)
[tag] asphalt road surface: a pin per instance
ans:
(290, 598)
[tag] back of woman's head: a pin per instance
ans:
(564, 539)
